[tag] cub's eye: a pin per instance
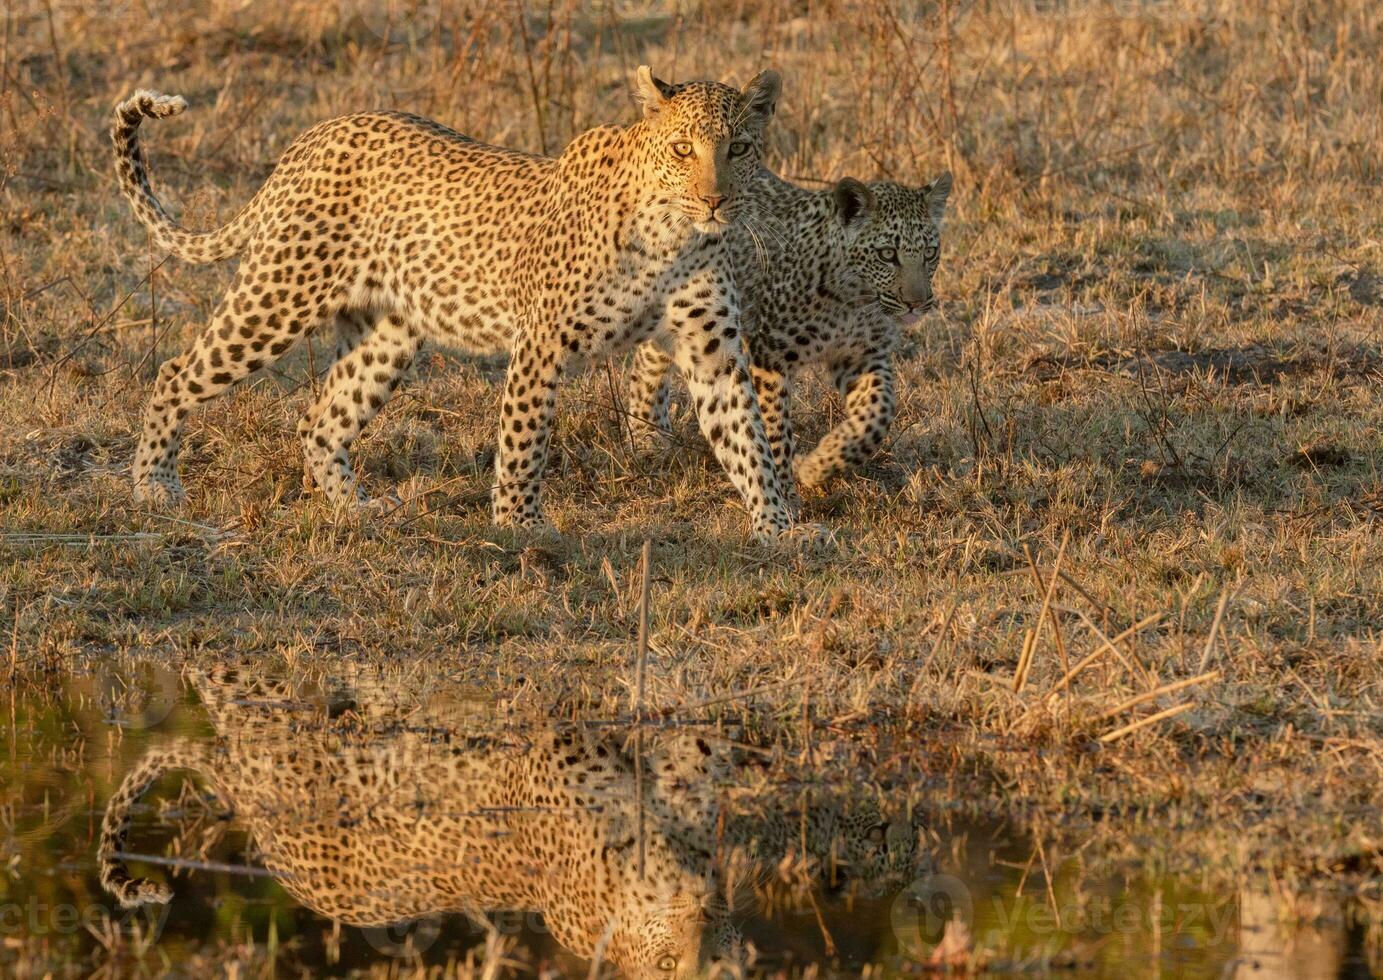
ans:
(667, 964)
(877, 834)
(889, 255)
(739, 148)
(682, 148)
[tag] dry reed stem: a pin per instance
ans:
(1106, 646)
(1170, 688)
(1214, 631)
(1119, 733)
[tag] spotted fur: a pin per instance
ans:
(398, 230)
(830, 277)
(379, 810)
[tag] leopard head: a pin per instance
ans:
(892, 236)
(680, 939)
(879, 850)
(703, 142)
(668, 918)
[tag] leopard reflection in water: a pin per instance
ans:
(372, 817)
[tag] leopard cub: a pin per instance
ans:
(830, 278)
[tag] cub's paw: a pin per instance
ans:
(383, 506)
(792, 501)
(649, 440)
(816, 470)
(538, 529)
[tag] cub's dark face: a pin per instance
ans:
(706, 142)
(893, 239)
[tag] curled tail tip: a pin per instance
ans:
(145, 102)
(168, 105)
(133, 893)
(143, 891)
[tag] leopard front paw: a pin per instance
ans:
(382, 506)
(781, 530)
(521, 514)
(816, 469)
(811, 537)
(164, 492)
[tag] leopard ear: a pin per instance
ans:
(853, 201)
(651, 92)
(936, 193)
(761, 94)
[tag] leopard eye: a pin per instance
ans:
(889, 255)
(667, 964)
(877, 834)
(682, 148)
(738, 148)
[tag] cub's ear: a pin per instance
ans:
(651, 92)
(761, 94)
(854, 201)
(936, 193)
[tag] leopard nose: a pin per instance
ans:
(713, 201)
(916, 296)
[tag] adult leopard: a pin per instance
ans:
(398, 230)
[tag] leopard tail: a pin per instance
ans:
(133, 892)
(131, 170)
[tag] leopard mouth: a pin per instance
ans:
(906, 312)
(711, 226)
(892, 305)
(711, 221)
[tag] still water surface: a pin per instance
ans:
(351, 822)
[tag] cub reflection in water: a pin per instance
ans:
(372, 814)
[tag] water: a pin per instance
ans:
(368, 821)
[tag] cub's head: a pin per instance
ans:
(893, 240)
(879, 852)
(704, 141)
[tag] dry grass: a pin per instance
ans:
(1156, 359)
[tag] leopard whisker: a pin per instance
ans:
(760, 252)
(767, 222)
